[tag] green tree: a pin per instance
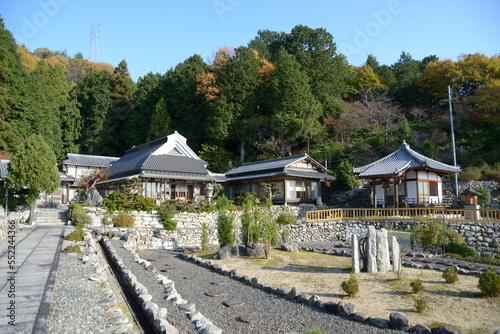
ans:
(146, 98)
(93, 98)
(160, 121)
(295, 111)
(33, 170)
(121, 91)
(344, 179)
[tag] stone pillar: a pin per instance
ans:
(382, 251)
(395, 254)
(355, 254)
(371, 249)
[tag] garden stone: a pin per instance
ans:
(346, 309)
(227, 252)
(445, 330)
(371, 249)
(292, 294)
(398, 322)
(361, 317)
(290, 247)
(420, 329)
(253, 249)
(332, 307)
(355, 254)
(93, 198)
(382, 251)
(395, 254)
(379, 322)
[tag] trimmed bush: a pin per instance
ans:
(286, 218)
(78, 215)
(420, 304)
(417, 286)
(489, 283)
(204, 236)
(72, 249)
(141, 203)
(76, 235)
(116, 202)
(460, 249)
(124, 220)
(166, 214)
(450, 275)
(351, 286)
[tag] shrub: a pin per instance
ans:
(141, 203)
(420, 304)
(78, 215)
(485, 197)
(166, 214)
(431, 234)
(286, 218)
(417, 286)
(489, 283)
(351, 286)
(450, 275)
(204, 236)
(116, 202)
(76, 235)
(225, 223)
(124, 220)
(460, 249)
(470, 174)
(72, 249)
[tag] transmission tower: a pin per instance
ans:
(94, 47)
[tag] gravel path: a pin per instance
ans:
(274, 314)
(75, 305)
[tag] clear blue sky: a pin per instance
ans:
(156, 35)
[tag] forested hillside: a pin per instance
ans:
(279, 94)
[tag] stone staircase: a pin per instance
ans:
(46, 217)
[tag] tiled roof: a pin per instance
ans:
(269, 165)
(88, 160)
(4, 169)
(174, 163)
(401, 160)
(218, 177)
(177, 176)
(66, 178)
(308, 175)
(254, 176)
(131, 162)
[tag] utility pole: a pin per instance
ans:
(94, 47)
(453, 143)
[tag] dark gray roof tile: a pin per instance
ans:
(88, 160)
(401, 160)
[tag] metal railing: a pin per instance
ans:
(403, 214)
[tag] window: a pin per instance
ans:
(433, 188)
(423, 192)
(173, 192)
(290, 188)
(182, 192)
(166, 190)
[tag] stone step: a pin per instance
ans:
(51, 216)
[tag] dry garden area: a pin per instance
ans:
(461, 305)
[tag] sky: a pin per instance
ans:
(156, 35)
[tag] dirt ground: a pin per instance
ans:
(459, 305)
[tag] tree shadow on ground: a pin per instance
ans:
(311, 269)
(393, 293)
(460, 294)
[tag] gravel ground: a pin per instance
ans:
(75, 305)
(275, 314)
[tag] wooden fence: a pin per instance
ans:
(404, 214)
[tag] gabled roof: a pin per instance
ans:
(88, 160)
(4, 169)
(276, 167)
(167, 157)
(66, 178)
(400, 161)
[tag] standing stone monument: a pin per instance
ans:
(371, 249)
(355, 254)
(382, 251)
(395, 254)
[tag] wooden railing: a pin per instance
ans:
(404, 214)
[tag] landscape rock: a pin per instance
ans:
(227, 252)
(346, 309)
(420, 329)
(253, 249)
(398, 322)
(445, 330)
(290, 247)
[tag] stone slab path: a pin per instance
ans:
(26, 287)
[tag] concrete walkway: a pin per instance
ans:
(26, 289)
